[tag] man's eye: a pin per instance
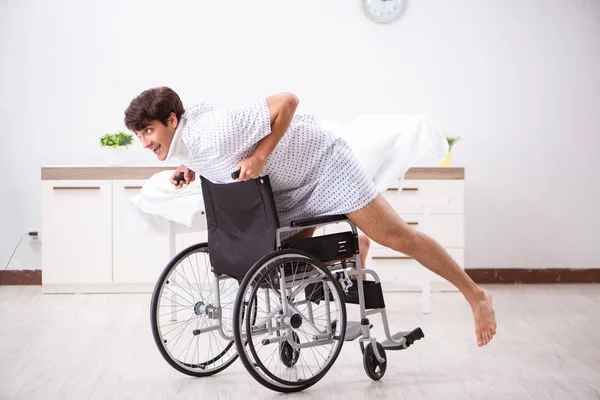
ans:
(148, 130)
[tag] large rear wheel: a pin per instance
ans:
(290, 321)
(191, 314)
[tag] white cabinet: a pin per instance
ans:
(88, 244)
(445, 223)
(76, 224)
(429, 188)
(137, 257)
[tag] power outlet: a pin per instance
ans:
(36, 238)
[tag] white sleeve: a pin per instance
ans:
(235, 130)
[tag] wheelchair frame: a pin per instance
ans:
(374, 358)
(358, 272)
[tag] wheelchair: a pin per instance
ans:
(280, 306)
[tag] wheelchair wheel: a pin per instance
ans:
(374, 369)
(286, 333)
(191, 322)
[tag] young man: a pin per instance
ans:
(312, 173)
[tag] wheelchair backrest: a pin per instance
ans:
(242, 223)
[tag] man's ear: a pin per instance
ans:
(173, 122)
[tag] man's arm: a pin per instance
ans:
(281, 111)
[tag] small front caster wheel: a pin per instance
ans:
(289, 356)
(374, 369)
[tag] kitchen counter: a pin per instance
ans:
(145, 172)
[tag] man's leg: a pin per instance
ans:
(363, 245)
(381, 223)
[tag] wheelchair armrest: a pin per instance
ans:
(325, 219)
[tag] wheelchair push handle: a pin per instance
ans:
(236, 174)
(179, 178)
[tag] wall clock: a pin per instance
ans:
(383, 11)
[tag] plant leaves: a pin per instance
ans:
(119, 139)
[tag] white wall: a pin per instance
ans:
(519, 80)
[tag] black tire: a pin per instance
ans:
(374, 369)
(225, 352)
(259, 275)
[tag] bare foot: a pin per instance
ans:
(485, 318)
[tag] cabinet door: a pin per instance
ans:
(76, 224)
(453, 189)
(138, 256)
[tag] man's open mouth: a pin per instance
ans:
(156, 149)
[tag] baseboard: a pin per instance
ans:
(23, 277)
(534, 275)
(483, 275)
(98, 288)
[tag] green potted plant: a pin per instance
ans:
(451, 142)
(115, 145)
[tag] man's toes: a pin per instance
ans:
(484, 338)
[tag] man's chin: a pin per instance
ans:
(162, 154)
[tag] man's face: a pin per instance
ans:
(157, 137)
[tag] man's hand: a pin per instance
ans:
(251, 168)
(188, 176)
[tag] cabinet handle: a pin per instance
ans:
(413, 222)
(407, 189)
(76, 187)
(133, 187)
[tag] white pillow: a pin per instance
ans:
(369, 137)
(387, 145)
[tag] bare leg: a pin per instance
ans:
(381, 223)
(363, 245)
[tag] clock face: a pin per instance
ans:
(383, 11)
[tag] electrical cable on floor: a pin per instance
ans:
(11, 256)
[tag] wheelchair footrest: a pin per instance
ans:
(403, 339)
(353, 330)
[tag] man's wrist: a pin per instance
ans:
(260, 157)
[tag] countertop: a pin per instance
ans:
(145, 172)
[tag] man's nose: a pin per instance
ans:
(145, 142)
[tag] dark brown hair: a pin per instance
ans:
(152, 104)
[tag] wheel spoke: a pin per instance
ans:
(282, 364)
(193, 342)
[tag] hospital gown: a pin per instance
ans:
(312, 172)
